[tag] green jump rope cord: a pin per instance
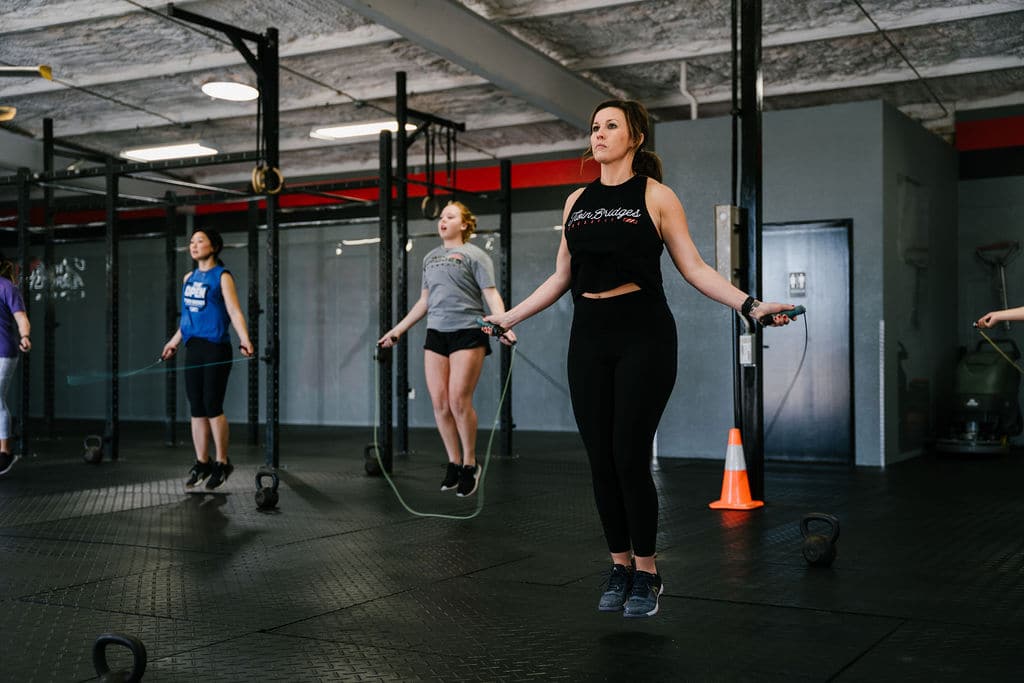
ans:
(996, 347)
(487, 454)
(93, 378)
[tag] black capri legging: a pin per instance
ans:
(622, 367)
(206, 386)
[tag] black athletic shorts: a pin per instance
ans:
(445, 343)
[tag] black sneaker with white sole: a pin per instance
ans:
(468, 478)
(201, 470)
(643, 596)
(451, 477)
(220, 473)
(6, 462)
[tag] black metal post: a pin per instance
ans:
(48, 266)
(505, 231)
(401, 213)
(751, 199)
(172, 296)
(254, 323)
(111, 434)
(268, 61)
(384, 438)
(24, 215)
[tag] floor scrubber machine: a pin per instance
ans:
(986, 409)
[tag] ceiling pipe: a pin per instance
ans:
(686, 93)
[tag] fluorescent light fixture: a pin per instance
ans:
(41, 71)
(358, 243)
(184, 150)
(227, 90)
(357, 130)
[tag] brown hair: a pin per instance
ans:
(638, 122)
(468, 219)
(9, 269)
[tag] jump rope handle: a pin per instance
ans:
(496, 330)
(791, 314)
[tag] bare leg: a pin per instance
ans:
(221, 432)
(5, 445)
(436, 368)
(622, 558)
(465, 373)
(201, 438)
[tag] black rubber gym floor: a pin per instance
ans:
(341, 584)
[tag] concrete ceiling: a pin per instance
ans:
(522, 74)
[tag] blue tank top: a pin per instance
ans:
(612, 239)
(203, 313)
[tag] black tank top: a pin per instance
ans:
(612, 239)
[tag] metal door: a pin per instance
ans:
(807, 384)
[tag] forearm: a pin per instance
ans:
(414, 315)
(495, 304)
(711, 284)
(550, 291)
(238, 322)
(1011, 314)
(24, 327)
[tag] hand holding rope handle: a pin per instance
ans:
(507, 337)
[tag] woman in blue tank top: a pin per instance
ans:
(622, 347)
(209, 307)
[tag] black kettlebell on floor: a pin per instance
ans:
(266, 496)
(93, 453)
(99, 658)
(819, 549)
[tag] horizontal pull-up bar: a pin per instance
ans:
(138, 167)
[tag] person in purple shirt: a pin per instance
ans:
(14, 337)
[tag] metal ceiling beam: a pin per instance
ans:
(959, 67)
(890, 21)
(212, 60)
(471, 41)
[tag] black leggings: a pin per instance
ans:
(206, 386)
(622, 367)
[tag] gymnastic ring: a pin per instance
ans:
(267, 179)
(430, 207)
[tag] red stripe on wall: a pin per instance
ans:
(990, 133)
(554, 173)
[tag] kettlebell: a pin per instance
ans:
(99, 658)
(266, 496)
(819, 549)
(93, 453)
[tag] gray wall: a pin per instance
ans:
(919, 186)
(820, 163)
(991, 210)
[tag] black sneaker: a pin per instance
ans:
(220, 473)
(6, 462)
(643, 597)
(451, 477)
(201, 470)
(468, 478)
(617, 587)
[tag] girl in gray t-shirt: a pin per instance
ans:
(458, 278)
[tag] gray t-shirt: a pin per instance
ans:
(454, 279)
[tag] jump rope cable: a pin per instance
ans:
(785, 396)
(1001, 353)
(95, 377)
(487, 454)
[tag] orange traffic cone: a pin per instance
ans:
(735, 486)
